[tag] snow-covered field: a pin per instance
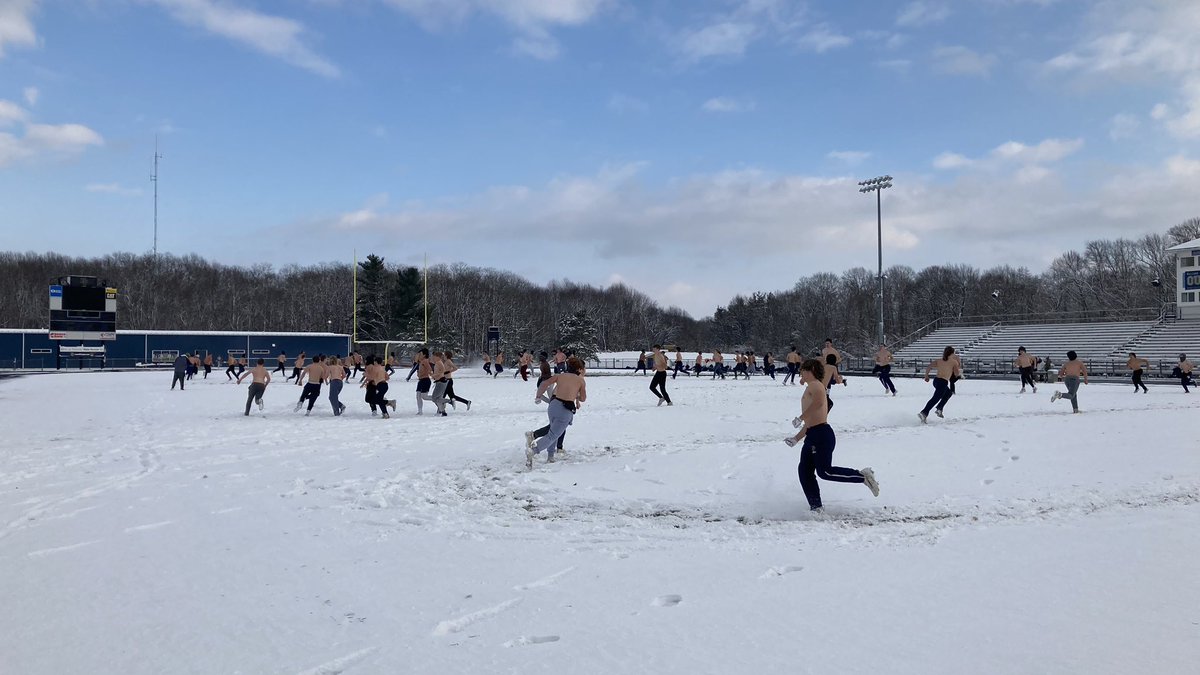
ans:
(150, 531)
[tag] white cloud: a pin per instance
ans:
(721, 39)
(922, 13)
(851, 157)
(46, 141)
(959, 60)
(11, 113)
(31, 95)
(1123, 126)
(822, 38)
(532, 19)
(897, 65)
(1141, 41)
(728, 35)
(971, 218)
(279, 37)
(625, 104)
(1160, 111)
(113, 189)
(726, 104)
(951, 160)
(16, 24)
(1049, 150)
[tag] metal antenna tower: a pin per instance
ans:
(154, 179)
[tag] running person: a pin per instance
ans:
(569, 391)
(678, 363)
(769, 365)
(1183, 371)
(1136, 365)
(883, 361)
(375, 378)
(499, 364)
(487, 363)
(1025, 364)
(260, 379)
(718, 364)
(231, 369)
(947, 368)
(450, 368)
(543, 368)
(1070, 373)
(793, 366)
(641, 363)
(658, 384)
(439, 384)
(181, 366)
(297, 368)
(282, 361)
(312, 391)
(816, 454)
(699, 363)
(831, 376)
(424, 379)
(335, 373)
(560, 361)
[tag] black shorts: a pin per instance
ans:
(423, 385)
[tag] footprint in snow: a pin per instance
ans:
(1014, 458)
(986, 481)
(531, 640)
(780, 571)
(667, 600)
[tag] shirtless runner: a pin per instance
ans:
(816, 454)
(261, 378)
(570, 390)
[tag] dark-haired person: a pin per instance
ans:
(181, 366)
(658, 384)
(334, 374)
(282, 361)
(793, 366)
(375, 378)
(543, 368)
(699, 368)
(831, 377)
(208, 361)
(816, 454)
(740, 366)
(769, 365)
(678, 363)
(487, 363)
(883, 361)
(424, 379)
(260, 379)
(231, 369)
(1070, 373)
(947, 369)
(498, 363)
(297, 367)
(1025, 365)
(1184, 372)
(718, 364)
(315, 373)
(569, 391)
(1137, 365)
(440, 383)
(450, 368)
(641, 364)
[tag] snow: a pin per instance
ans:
(149, 531)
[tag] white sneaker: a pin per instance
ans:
(307, 413)
(550, 459)
(660, 401)
(869, 480)
(923, 418)
(797, 422)
(1022, 390)
(1055, 396)
(260, 404)
(529, 439)
(528, 458)
(669, 404)
(939, 414)
(297, 408)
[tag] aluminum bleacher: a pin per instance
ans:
(1097, 340)
(1165, 342)
(930, 347)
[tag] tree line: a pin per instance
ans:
(190, 293)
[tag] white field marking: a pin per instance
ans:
(340, 664)
(455, 625)
(531, 640)
(60, 549)
(224, 511)
(545, 581)
(148, 526)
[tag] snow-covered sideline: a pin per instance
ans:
(150, 531)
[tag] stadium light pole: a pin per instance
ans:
(878, 185)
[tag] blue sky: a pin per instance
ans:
(693, 150)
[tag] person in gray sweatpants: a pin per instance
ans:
(334, 374)
(569, 391)
(1070, 374)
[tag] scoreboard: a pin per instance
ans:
(82, 308)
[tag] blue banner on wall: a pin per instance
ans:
(1191, 281)
(56, 291)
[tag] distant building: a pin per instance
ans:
(1187, 277)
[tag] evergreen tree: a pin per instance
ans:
(372, 299)
(577, 333)
(406, 311)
